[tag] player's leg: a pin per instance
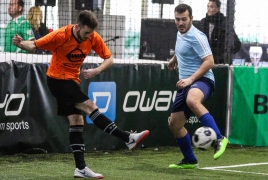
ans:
(78, 147)
(102, 122)
(62, 91)
(200, 92)
(183, 139)
(181, 135)
(70, 91)
(194, 102)
(222, 142)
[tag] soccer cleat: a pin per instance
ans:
(220, 147)
(184, 165)
(136, 138)
(87, 173)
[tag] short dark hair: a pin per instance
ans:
(21, 3)
(218, 3)
(181, 8)
(87, 18)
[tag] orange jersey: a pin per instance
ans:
(68, 54)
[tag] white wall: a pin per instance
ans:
(199, 8)
(251, 20)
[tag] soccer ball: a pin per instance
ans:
(204, 138)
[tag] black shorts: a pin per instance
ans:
(67, 94)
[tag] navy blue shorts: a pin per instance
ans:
(67, 94)
(206, 85)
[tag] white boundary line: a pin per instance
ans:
(222, 168)
(234, 166)
(245, 172)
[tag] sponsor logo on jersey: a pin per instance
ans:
(76, 55)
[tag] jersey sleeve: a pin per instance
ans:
(201, 45)
(50, 41)
(100, 47)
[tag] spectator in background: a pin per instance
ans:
(17, 25)
(214, 26)
(35, 16)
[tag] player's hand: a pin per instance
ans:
(89, 73)
(17, 40)
(172, 64)
(184, 83)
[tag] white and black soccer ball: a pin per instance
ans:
(204, 138)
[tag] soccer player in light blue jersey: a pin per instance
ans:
(194, 60)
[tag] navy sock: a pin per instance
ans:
(186, 148)
(208, 121)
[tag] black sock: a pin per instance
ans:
(108, 126)
(77, 144)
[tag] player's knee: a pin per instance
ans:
(88, 106)
(175, 124)
(76, 120)
(193, 104)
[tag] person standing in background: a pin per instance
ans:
(194, 60)
(214, 26)
(35, 16)
(17, 25)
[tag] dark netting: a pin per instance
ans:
(141, 30)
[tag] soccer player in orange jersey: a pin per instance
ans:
(69, 46)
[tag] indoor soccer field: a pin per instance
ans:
(141, 164)
(137, 92)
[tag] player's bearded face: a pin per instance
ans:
(183, 21)
(84, 33)
(80, 37)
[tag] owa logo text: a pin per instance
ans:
(103, 94)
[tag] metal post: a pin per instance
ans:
(229, 34)
(45, 26)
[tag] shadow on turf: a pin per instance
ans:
(157, 169)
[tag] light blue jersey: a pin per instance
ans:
(191, 47)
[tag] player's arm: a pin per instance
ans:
(107, 63)
(172, 63)
(29, 46)
(208, 63)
